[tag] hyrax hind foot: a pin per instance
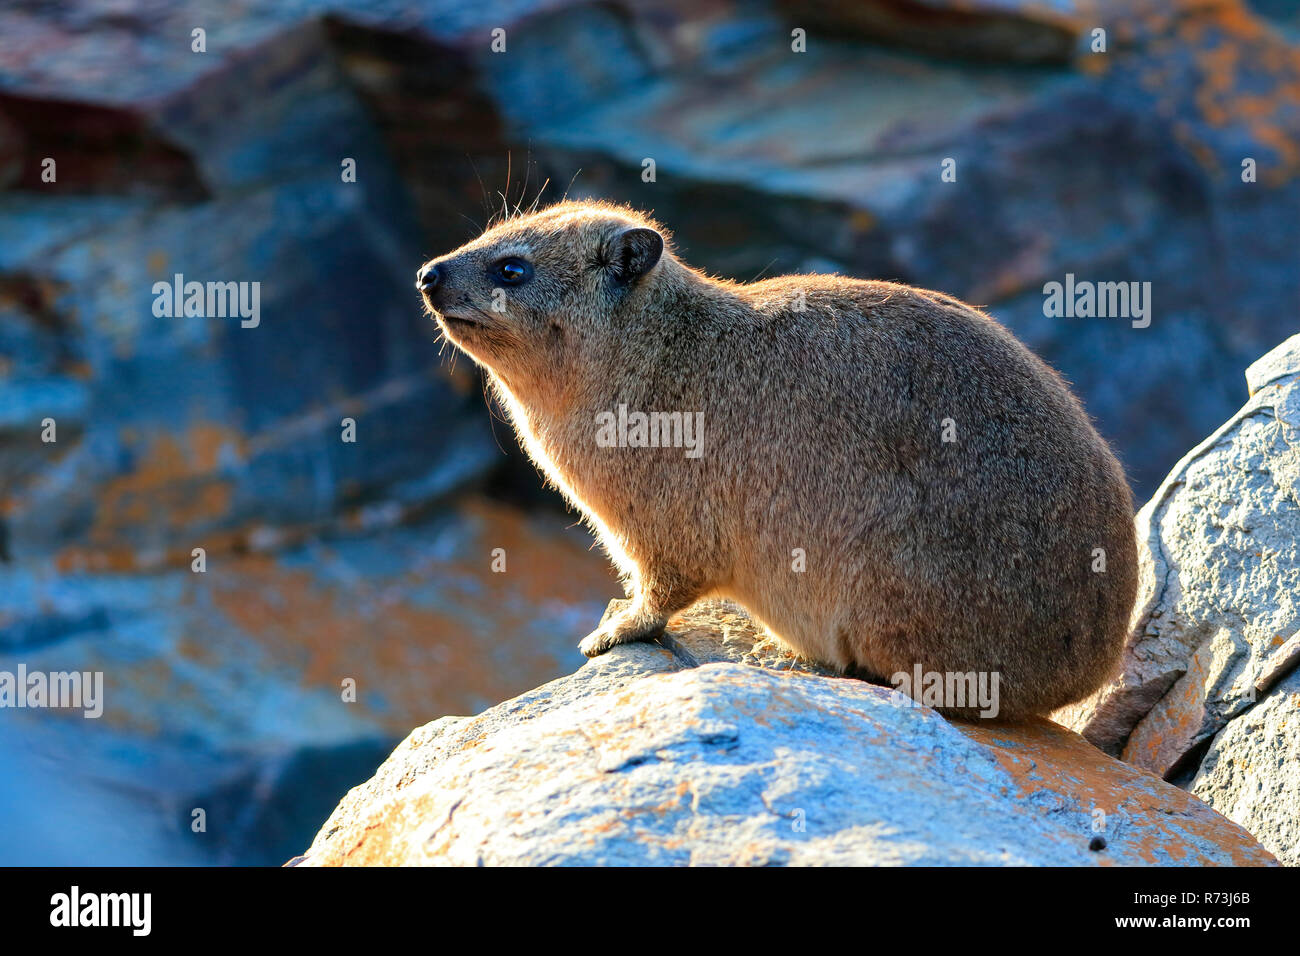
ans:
(629, 624)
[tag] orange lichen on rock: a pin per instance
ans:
(411, 659)
(1226, 75)
(1043, 756)
(175, 477)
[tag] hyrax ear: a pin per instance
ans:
(634, 252)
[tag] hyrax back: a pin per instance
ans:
(882, 475)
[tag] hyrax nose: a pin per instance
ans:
(428, 278)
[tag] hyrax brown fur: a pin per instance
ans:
(886, 477)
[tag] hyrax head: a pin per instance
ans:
(523, 297)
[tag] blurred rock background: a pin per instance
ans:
(371, 561)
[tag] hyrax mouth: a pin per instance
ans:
(461, 320)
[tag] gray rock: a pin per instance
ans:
(641, 759)
(1217, 605)
(1251, 773)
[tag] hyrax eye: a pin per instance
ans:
(513, 271)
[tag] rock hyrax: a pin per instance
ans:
(881, 475)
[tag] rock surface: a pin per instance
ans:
(224, 690)
(721, 748)
(1218, 604)
(1251, 773)
(1216, 637)
(767, 160)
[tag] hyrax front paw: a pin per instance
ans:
(620, 630)
(599, 641)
